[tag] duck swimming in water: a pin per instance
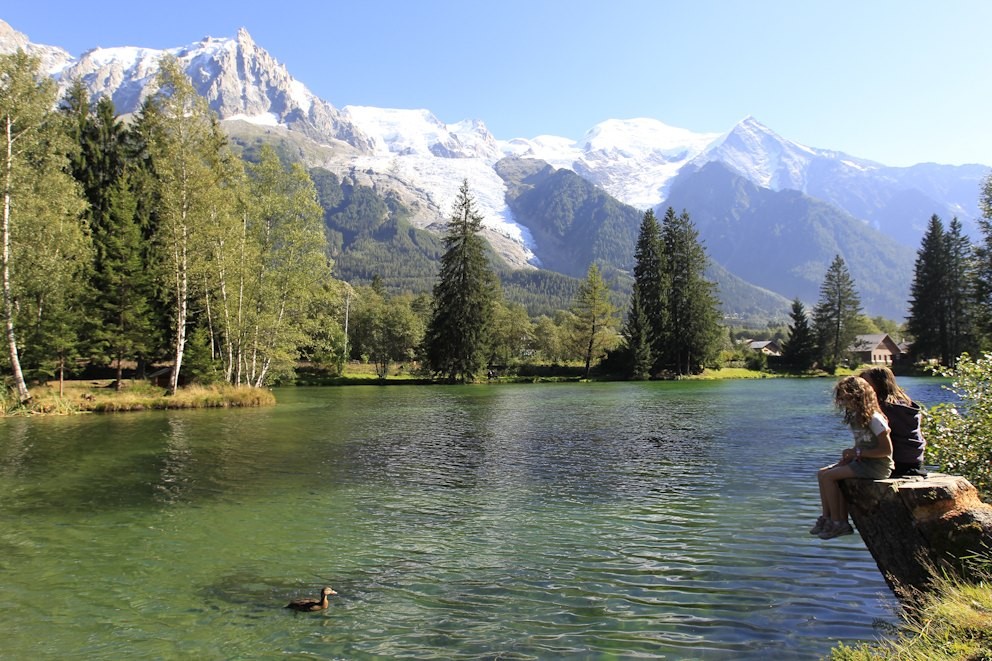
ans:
(308, 605)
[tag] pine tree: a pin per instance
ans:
(927, 321)
(636, 338)
(960, 273)
(692, 326)
(800, 350)
(940, 316)
(836, 316)
(457, 338)
(120, 311)
(652, 289)
(594, 318)
(982, 274)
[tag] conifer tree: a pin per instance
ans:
(457, 339)
(800, 350)
(928, 315)
(594, 318)
(836, 316)
(961, 312)
(982, 275)
(651, 289)
(692, 327)
(119, 307)
(636, 338)
(940, 312)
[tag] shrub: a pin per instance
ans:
(959, 435)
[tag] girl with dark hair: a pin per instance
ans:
(905, 417)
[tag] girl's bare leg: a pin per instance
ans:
(835, 507)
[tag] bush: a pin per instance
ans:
(959, 435)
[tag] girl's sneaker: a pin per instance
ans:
(821, 523)
(836, 529)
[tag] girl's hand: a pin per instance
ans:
(847, 456)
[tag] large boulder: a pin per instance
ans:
(918, 529)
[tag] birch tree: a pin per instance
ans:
(185, 146)
(42, 241)
(293, 266)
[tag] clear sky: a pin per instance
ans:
(896, 81)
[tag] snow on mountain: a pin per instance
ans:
(770, 160)
(413, 145)
(634, 160)
(53, 59)
(396, 131)
(425, 160)
(239, 79)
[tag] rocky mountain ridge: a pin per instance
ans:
(422, 161)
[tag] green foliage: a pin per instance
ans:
(982, 274)
(457, 340)
(120, 309)
(512, 335)
(636, 333)
(653, 288)
(45, 247)
(952, 622)
(594, 321)
(201, 368)
(959, 435)
(385, 328)
(574, 222)
(940, 311)
(836, 318)
(691, 320)
(800, 350)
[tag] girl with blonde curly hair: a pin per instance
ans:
(870, 458)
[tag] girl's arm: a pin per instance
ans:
(883, 449)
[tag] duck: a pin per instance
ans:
(307, 605)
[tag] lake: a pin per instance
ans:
(598, 520)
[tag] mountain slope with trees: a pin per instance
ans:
(785, 240)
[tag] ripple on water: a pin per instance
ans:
(616, 519)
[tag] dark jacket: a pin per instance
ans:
(907, 439)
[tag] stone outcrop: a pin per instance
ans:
(920, 528)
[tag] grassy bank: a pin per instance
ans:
(100, 396)
(954, 622)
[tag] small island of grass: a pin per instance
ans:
(99, 395)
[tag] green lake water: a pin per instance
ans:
(662, 520)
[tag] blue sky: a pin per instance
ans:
(897, 81)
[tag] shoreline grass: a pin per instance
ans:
(953, 621)
(99, 396)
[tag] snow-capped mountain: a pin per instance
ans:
(53, 59)
(421, 160)
(633, 160)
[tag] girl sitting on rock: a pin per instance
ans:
(870, 458)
